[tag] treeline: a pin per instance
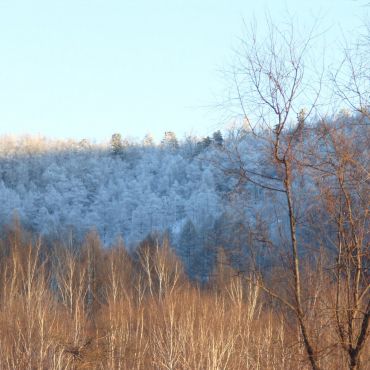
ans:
(68, 306)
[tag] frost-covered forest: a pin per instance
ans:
(119, 188)
(192, 190)
(124, 189)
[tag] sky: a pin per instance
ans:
(90, 68)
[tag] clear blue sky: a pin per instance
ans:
(87, 69)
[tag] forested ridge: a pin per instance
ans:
(120, 188)
(127, 190)
(194, 190)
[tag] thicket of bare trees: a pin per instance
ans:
(64, 306)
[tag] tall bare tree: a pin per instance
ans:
(272, 84)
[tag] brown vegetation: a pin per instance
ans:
(64, 307)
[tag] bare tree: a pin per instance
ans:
(272, 82)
